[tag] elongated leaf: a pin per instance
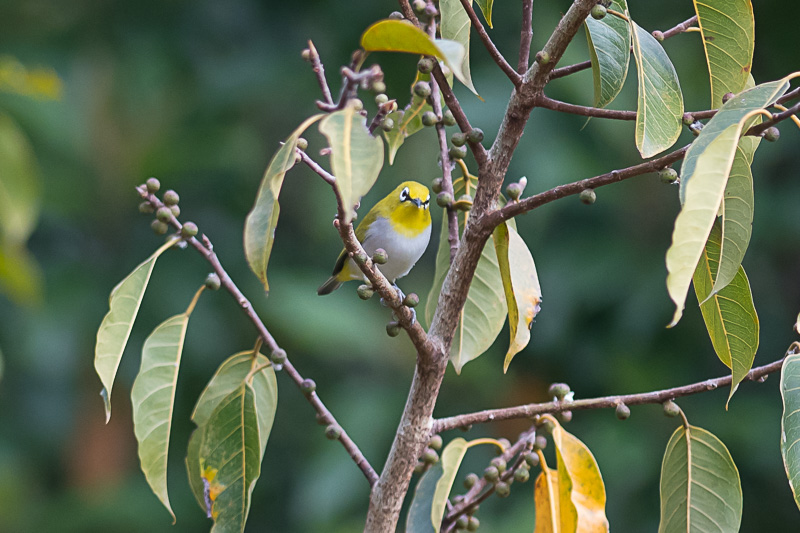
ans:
(790, 422)
(20, 275)
(452, 456)
(356, 156)
(697, 215)
(546, 499)
(527, 294)
(418, 519)
(153, 399)
(229, 459)
(610, 52)
(261, 221)
(455, 26)
(700, 486)
(728, 31)
(732, 112)
(659, 113)
(582, 494)
(19, 184)
(116, 327)
(228, 377)
(501, 244)
(730, 316)
(486, 9)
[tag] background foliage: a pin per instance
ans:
(199, 94)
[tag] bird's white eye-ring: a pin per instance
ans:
(404, 194)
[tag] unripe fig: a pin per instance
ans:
(175, 210)
(425, 65)
(588, 196)
(146, 208)
(360, 258)
(171, 198)
(152, 185)
(558, 390)
(356, 103)
(159, 227)
(772, 134)
(429, 118)
(565, 417)
(474, 524)
(444, 199)
(726, 97)
(430, 457)
(422, 89)
(308, 386)
(387, 124)
(457, 152)
(278, 357)
(212, 281)
(502, 489)
(412, 300)
(365, 292)
(306, 54)
(542, 57)
(164, 214)
(380, 256)
(436, 185)
(435, 442)
(622, 411)
(302, 143)
(668, 175)
(671, 409)
(188, 230)
(514, 191)
(491, 474)
(522, 475)
(333, 431)
(470, 480)
(531, 459)
(540, 443)
(462, 522)
(448, 118)
(458, 139)
(475, 135)
(381, 99)
(378, 86)
(599, 11)
(393, 329)
(419, 6)
(500, 464)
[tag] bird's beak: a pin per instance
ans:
(416, 201)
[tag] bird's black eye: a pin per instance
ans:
(404, 194)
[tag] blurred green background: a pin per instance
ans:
(199, 94)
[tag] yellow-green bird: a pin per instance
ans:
(400, 224)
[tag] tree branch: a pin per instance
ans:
(571, 69)
(319, 70)
(680, 28)
(526, 35)
(206, 249)
(564, 107)
(605, 402)
(498, 58)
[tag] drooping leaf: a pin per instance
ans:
(610, 52)
(153, 399)
(455, 26)
(582, 494)
(659, 112)
(19, 184)
(261, 221)
(546, 499)
(356, 156)
(728, 31)
(112, 336)
(407, 122)
(790, 422)
(418, 519)
(730, 316)
(452, 455)
(20, 275)
(486, 9)
(501, 238)
(527, 294)
(229, 458)
(229, 376)
(700, 486)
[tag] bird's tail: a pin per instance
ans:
(329, 286)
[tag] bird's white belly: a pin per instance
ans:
(403, 252)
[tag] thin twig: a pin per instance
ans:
(564, 107)
(526, 35)
(680, 28)
(605, 402)
(498, 58)
(319, 70)
(206, 249)
(777, 117)
(570, 69)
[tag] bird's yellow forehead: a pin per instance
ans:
(415, 190)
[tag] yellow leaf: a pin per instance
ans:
(545, 496)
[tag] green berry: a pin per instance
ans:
(502, 489)
(425, 65)
(360, 258)
(387, 124)
(152, 185)
(189, 230)
(430, 457)
(772, 134)
(688, 119)
(500, 464)
(429, 118)
(411, 300)
(542, 57)
(164, 214)
(393, 329)
(422, 89)
(381, 99)
(726, 97)
(171, 198)
(175, 210)
(474, 524)
(146, 208)
(278, 356)
(419, 6)
(491, 474)
(599, 11)
(308, 386)
(458, 139)
(671, 409)
(333, 431)
(212, 281)
(540, 443)
(514, 191)
(435, 442)
(546, 426)
(444, 199)
(395, 15)
(588, 196)
(565, 417)
(558, 390)
(357, 104)
(668, 175)
(380, 256)
(448, 118)
(302, 143)
(159, 227)
(623, 411)
(365, 292)
(462, 522)
(470, 480)
(378, 87)
(306, 54)
(522, 475)
(458, 152)
(436, 185)
(475, 135)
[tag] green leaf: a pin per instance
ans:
(229, 458)
(790, 422)
(486, 9)
(356, 156)
(259, 227)
(228, 377)
(728, 31)
(527, 294)
(484, 311)
(659, 113)
(20, 191)
(730, 316)
(153, 399)
(732, 112)
(582, 494)
(407, 123)
(610, 52)
(418, 519)
(20, 275)
(455, 26)
(116, 327)
(452, 455)
(700, 486)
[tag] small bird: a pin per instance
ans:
(400, 224)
